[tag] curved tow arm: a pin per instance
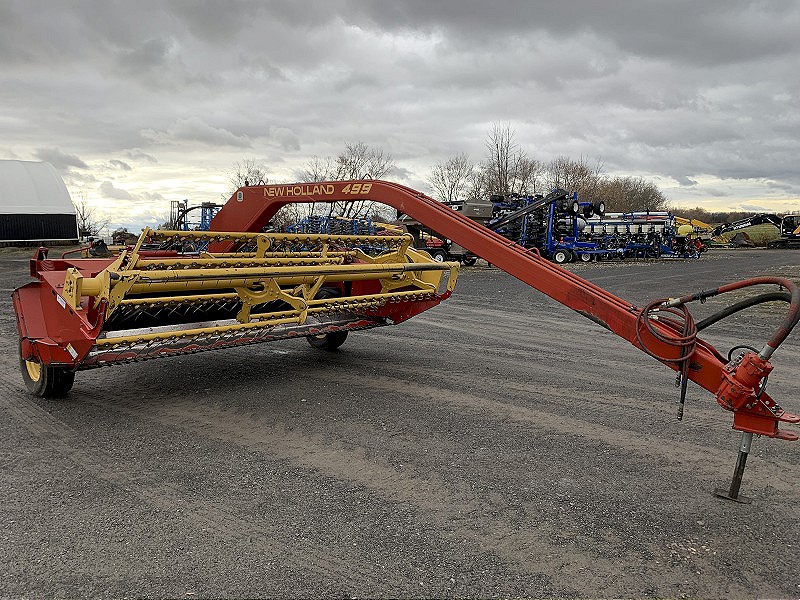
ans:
(738, 384)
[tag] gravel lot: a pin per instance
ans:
(497, 445)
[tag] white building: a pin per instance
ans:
(35, 205)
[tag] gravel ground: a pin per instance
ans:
(497, 445)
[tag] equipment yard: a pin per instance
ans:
(498, 445)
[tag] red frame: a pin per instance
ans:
(251, 208)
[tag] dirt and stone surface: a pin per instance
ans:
(497, 445)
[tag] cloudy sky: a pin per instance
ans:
(139, 103)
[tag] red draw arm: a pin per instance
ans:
(663, 330)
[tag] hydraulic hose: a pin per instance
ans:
(744, 304)
(681, 330)
(678, 319)
(791, 319)
(686, 341)
(674, 314)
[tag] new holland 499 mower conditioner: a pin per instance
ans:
(241, 286)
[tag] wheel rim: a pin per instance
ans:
(438, 257)
(34, 370)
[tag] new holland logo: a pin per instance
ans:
(290, 191)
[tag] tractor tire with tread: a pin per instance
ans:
(46, 381)
(438, 255)
(327, 341)
(561, 257)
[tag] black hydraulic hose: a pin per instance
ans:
(744, 304)
(739, 306)
(683, 332)
(684, 329)
(678, 319)
(791, 319)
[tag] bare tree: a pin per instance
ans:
(643, 194)
(629, 194)
(356, 161)
(501, 148)
(575, 175)
(288, 215)
(611, 192)
(529, 176)
(246, 171)
(360, 161)
(698, 213)
(89, 223)
(318, 169)
(507, 168)
(478, 188)
(450, 178)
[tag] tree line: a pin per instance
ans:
(505, 168)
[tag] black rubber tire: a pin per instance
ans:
(561, 257)
(46, 381)
(588, 211)
(574, 207)
(438, 255)
(470, 261)
(600, 208)
(327, 341)
(585, 257)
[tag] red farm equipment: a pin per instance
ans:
(240, 286)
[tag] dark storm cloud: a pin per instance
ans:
(681, 91)
(219, 21)
(118, 164)
(284, 138)
(137, 155)
(108, 190)
(60, 160)
(195, 129)
(708, 32)
(150, 54)
(683, 180)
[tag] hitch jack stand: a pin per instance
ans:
(736, 482)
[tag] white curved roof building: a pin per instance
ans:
(34, 204)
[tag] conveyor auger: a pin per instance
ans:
(255, 287)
